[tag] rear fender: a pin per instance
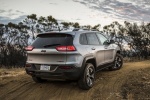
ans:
(86, 60)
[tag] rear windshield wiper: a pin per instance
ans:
(50, 45)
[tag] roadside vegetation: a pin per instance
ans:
(15, 37)
(4, 73)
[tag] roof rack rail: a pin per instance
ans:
(76, 29)
(84, 29)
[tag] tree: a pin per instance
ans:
(65, 25)
(42, 23)
(76, 25)
(31, 21)
(14, 40)
(96, 27)
(52, 23)
(88, 27)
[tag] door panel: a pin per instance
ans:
(108, 51)
(108, 54)
(95, 48)
(98, 52)
(100, 55)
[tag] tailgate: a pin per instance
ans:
(44, 49)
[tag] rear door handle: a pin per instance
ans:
(93, 48)
(106, 47)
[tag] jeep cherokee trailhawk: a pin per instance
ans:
(75, 55)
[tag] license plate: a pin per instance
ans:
(45, 67)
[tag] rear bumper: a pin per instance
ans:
(65, 74)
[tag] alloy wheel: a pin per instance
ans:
(90, 76)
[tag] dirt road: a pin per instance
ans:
(107, 86)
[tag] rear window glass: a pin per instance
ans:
(92, 39)
(53, 40)
(83, 39)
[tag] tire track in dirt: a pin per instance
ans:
(111, 88)
(107, 86)
(11, 88)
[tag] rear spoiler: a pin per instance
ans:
(50, 34)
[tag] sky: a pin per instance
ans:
(86, 12)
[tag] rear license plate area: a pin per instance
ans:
(45, 67)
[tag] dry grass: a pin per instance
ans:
(11, 72)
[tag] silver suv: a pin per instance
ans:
(75, 55)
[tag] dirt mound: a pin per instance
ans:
(138, 85)
(109, 85)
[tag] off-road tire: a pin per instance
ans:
(87, 79)
(118, 62)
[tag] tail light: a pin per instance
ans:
(28, 65)
(29, 48)
(70, 48)
(65, 48)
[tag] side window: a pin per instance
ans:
(101, 38)
(92, 39)
(83, 39)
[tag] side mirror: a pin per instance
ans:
(111, 41)
(107, 42)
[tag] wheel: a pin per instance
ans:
(37, 79)
(118, 62)
(87, 79)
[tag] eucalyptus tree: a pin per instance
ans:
(42, 23)
(146, 33)
(116, 32)
(76, 25)
(11, 32)
(96, 27)
(8, 50)
(21, 43)
(88, 27)
(112, 30)
(31, 22)
(14, 40)
(145, 39)
(109, 30)
(66, 25)
(134, 32)
(1, 30)
(51, 23)
(23, 36)
(138, 40)
(2, 27)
